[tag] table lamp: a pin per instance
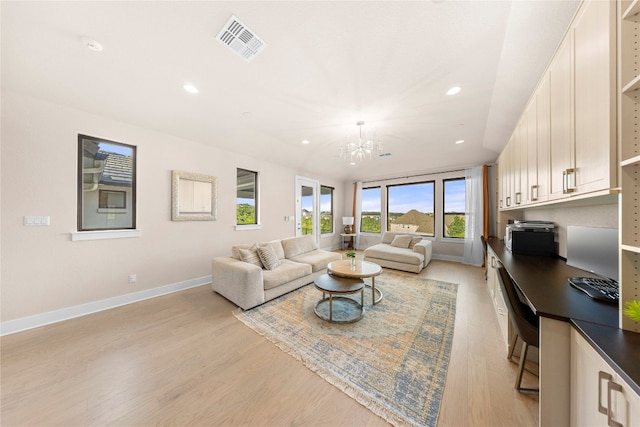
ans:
(347, 221)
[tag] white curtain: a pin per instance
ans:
(473, 249)
(358, 213)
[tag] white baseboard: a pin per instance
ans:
(37, 320)
(447, 257)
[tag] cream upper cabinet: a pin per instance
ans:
(506, 167)
(538, 157)
(521, 154)
(565, 143)
(595, 100)
(561, 124)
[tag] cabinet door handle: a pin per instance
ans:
(501, 203)
(534, 193)
(607, 377)
(568, 181)
(518, 198)
(493, 261)
(612, 386)
(509, 201)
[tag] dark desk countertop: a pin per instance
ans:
(543, 282)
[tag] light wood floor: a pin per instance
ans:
(184, 359)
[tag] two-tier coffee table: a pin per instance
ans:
(360, 270)
(337, 288)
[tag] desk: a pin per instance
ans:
(543, 282)
(347, 240)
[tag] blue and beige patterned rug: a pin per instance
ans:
(393, 361)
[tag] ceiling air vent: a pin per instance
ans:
(240, 39)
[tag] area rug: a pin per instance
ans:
(393, 361)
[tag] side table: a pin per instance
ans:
(347, 240)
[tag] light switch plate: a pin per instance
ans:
(36, 221)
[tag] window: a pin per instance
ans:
(326, 209)
(410, 208)
(371, 208)
(454, 207)
(247, 197)
(106, 185)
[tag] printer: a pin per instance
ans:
(531, 238)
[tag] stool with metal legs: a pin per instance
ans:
(524, 321)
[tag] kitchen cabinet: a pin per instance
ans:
(497, 297)
(565, 144)
(594, 78)
(538, 144)
(599, 396)
(561, 124)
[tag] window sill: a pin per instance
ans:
(248, 227)
(78, 236)
(453, 240)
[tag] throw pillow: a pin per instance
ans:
(388, 237)
(415, 240)
(268, 257)
(251, 256)
(401, 241)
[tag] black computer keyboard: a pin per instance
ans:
(601, 289)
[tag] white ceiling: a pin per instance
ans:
(326, 66)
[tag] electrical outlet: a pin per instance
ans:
(133, 278)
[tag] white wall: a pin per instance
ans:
(599, 212)
(42, 270)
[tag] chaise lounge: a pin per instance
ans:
(400, 252)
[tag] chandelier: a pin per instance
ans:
(359, 149)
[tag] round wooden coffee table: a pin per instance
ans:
(337, 287)
(360, 270)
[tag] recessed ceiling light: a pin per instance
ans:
(190, 88)
(305, 141)
(454, 90)
(91, 44)
(460, 141)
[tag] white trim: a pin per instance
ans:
(447, 257)
(452, 240)
(78, 236)
(42, 319)
(248, 227)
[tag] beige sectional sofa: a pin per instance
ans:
(257, 273)
(401, 252)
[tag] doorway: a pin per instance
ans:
(307, 207)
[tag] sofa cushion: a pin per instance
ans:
(392, 253)
(250, 255)
(284, 273)
(318, 259)
(294, 246)
(401, 241)
(268, 257)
